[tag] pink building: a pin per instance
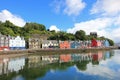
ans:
(99, 43)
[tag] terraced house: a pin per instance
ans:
(11, 43)
(16, 43)
(64, 44)
(35, 41)
(4, 42)
(49, 44)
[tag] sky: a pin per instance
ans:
(101, 16)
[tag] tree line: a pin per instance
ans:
(34, 28)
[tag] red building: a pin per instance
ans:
(94, 43)
(64, 45)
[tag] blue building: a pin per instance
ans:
(106, 43)
(75, 44)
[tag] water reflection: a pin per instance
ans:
(8, 65)
(61, 67)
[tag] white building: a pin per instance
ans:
(16, 43)
(49, 44)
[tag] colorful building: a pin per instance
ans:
(35, 40)
(99, 43)
(64, 45)
(16, 43)
(4, 42)
(50, 44)
(34, 43)
(86, 43)
(94, 43)
(106, 43)
(75, 44)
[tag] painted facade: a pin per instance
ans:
(106, 43)
(94, 43)
(86, 44)
(49, 44)
(4, 42)
(16, 43)
(75, 44)
(34, 43)
(99, 43)
(64, 45)
(40, 42)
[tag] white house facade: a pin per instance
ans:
(16, 43)
(49, 44)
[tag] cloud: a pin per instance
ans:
(107, 20)
(116, 34)
(6, 15)
(106, 7)
(74, 7)
(99, 70)
(117, 22)
(96, 70)
(69, 7)
(103, 26)
(57, 5)
(53, 27)
(91, 26)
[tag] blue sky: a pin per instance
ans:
(101, 16)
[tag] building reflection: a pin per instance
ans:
(38, 65)
(94, 58)
(36, 60)
(50, 59)
(8, 65)
(4, 65)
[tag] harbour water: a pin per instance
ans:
(99, 65)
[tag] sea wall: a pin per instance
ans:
(54, 51)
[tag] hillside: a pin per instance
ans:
(8, 28)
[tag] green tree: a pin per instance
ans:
(80, 35)
(111, 42)
(8, 24)
(34, 26)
